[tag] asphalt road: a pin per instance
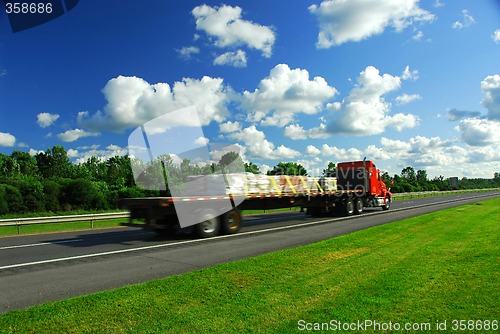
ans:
(47, 267)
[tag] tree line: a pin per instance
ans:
(50, 182)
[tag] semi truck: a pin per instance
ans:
(354, 185)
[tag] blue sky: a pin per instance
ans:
(401, 82)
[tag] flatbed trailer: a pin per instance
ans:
(358, 185)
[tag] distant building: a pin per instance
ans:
(453, 182)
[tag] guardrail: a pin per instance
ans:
(62, 219)
(439, 193)
(115, 215)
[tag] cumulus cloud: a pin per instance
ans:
(257, 146)
(312, 150)
(355, 20)
(405, 98)
(491, 101)
(201, 141)
(73, 135)
(496, 35)
(101, 154)
(365, 111)
(442, 156)
(132, 101)
(479, 132)
(296, 132)
(45, 119)
(409, 74)
(456, 115)
(341, 153)
(229, 127)
(234, 59)
(187, 52)
(284, 93)
(466, 21)
(228, 29)
(6, 139)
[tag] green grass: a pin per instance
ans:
(439, 266)
(60, 227)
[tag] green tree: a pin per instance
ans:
(27, 163)
(8, 166)
(12, 198)
(250, 167)
(409, 175)
(54, 163)
(231, 162)
(331, 170)
(288, 168)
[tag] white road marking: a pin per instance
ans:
(41, 244)
(129, 250)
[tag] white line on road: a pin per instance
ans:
(41, 244)
(187, 242)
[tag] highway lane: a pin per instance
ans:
(131, 255)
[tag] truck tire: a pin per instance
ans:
(358, 206)
(231, 221)
(209, 227)
(348, 207)
(387, 204)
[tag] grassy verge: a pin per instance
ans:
(60, 227)
(436, 267)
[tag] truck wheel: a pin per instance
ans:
(231, 221)
(358, 206)
(209, 227)
(387, 204)
(349, 207)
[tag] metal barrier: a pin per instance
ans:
(114, 215)
(439, 193)
(62, 219)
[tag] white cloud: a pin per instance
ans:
(496, 35)
(285, 152)
(491, 101)
(420, 144)
(33, 152)
(395, 145)
(72, 153)
(376, 153)
(342, 21)
(438, 4)
(466, 21)
(6, 139)
(72, 135)
(229, 29)
(201, 141)
(455, 115)
(103, 154)
(479, 132)
(259, 147)
(408, 74)
(296, 131)
(284, 93)
(187, 52)
(234, 59)
(405, 98)
(418, 36)
(341, 153)
(132, 101)
(365, 111)
(312, 150)
(45, 119)
(229, 127)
